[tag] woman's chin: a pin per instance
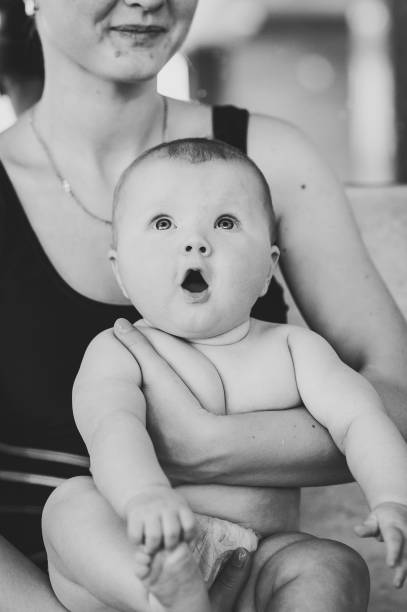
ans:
(127, 67)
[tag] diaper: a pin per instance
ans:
(215, 541)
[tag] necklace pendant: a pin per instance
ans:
(66, 186)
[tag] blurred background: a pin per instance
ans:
(335, 68)
(338, 70)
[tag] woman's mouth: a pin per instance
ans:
(137, 35)
(138, 31)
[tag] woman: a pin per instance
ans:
(98, 111)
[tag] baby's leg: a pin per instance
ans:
(90, 563)
(296, 572)
(93, 566)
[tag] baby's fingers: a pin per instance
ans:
(171, 530)
(188, 523)
(399, 576)
(394, 541)
(369, 528)
(135, 531)
(153, 534)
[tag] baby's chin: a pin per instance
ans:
(202, 335)
(191, 333)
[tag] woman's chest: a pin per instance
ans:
(62, 235)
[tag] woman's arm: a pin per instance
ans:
(22, 585)
(277, 448)
(341, 297)
(326, 265)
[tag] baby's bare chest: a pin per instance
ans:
(243, 377)
(253, 380)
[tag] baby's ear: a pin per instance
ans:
(115, 267)
(274, 257)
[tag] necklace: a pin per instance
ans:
(65, 184)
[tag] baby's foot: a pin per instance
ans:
(173, 580)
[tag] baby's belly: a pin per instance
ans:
(267, 511)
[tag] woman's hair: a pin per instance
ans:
(20, 48)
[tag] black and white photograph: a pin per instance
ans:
(203, 305)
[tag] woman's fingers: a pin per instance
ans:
(369, 528)
(133, 339)
(230, 581)
(154, 367)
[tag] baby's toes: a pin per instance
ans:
(142, 564)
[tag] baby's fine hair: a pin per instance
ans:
(197, 151)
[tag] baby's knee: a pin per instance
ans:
(324, 573)
(339, 555)
(71, 595)
(336, 565)
(330, 564)
(67, 499)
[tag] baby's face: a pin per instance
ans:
(193, 248)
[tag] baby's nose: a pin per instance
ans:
(198, 245)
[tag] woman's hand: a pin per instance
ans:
(277, 448)
(175, 419)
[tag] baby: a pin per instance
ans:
(193, 249)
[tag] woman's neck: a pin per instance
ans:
(94, 129)
(97, 117)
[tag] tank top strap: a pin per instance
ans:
(230, 124)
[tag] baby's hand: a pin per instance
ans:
(388, 522)
(158, 517)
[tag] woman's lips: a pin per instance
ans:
(134, 29)
(137, 34)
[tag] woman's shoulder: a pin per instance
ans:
(14, 149)
(16, 161)
(21, 167)
(191, 118)
(299, 176)
(274, 138)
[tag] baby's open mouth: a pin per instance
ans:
(194, 282)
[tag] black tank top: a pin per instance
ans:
(46, 327)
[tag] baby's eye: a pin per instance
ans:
(226, 223)
(163, 223)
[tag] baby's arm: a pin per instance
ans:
(348, 406)
(110, 412)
